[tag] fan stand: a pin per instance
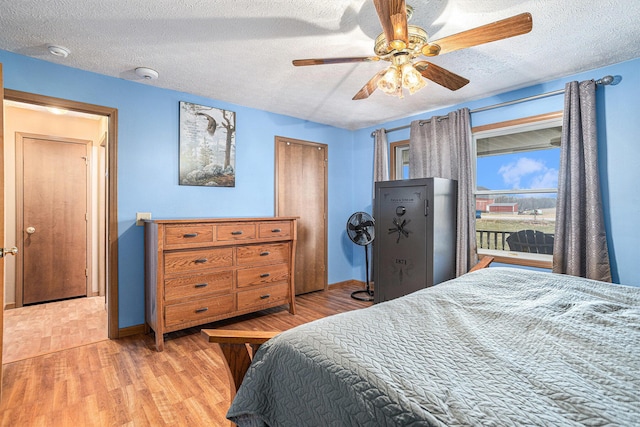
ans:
(367, 291)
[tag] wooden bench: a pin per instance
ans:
(237, 348)
(484, 262)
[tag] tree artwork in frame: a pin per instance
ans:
(207, 146)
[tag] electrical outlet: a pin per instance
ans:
(141, 216)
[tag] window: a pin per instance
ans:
(399, 160)
(517, 166)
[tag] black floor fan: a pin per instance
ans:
(360, 229)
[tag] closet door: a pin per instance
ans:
(301, 190)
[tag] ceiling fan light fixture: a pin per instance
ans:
(412, 79)
(390, 83)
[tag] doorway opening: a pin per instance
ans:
(41, 133)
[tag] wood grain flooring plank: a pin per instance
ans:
(126, 382)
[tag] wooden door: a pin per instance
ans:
(52, 211)
(301, 190)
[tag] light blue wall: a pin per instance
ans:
(148, 163)
(619, 151)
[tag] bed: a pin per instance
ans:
(498, 346)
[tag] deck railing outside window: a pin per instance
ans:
(497, 240)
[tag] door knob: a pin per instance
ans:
(6, 251)
(31, 230)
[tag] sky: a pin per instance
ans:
(526, 170)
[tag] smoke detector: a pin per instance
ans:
(146, 73)
(60, 51)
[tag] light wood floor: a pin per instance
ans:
(126, 382)
(45, 328)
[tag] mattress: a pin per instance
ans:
(496, 347)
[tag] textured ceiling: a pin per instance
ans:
(240, 51)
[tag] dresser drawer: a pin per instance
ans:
(198, 260)
(267, 230)
(263, 296)
(272, 253)
(261, 275)
(188, 234)
(176, 314)
(236, 232)
(197, 286)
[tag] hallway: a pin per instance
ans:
(46, 328)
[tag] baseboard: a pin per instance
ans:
(10, 306)
(346, 283)
(130, 330)
(352, 282)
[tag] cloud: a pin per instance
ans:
(548, 180)
(534, 174)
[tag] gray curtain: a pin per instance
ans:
(441, 147)
(380, 159)
(380, 156)
(580, 244)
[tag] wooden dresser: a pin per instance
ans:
(202, 270)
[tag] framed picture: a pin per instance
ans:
(207, 146)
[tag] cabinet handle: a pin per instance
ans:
(265, 275)
(276, 230)
(236, 233)
(186, 236)
(201, 285)
(265, 296)
(202, 310)
(265, 253)
(200, 261)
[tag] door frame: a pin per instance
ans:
(20, 136)
(112, 188)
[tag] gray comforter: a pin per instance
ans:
(497, 347)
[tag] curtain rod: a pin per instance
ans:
(606, 80)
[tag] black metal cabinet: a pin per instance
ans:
(415, 245)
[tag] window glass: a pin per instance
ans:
(516, 187)
(399, 160)
(405, 162)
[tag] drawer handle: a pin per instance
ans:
(201, 285)
(265, 253)
(265, 275)
(201, 261)
(236, 233)
(276, 230)
(186, 236)
(265, 296)
(202, 310)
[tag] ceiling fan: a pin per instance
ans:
(400, 44)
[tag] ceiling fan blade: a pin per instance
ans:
(371, 85)
(505, 28)
(439, 75)
(393, 18)
(323, 61)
